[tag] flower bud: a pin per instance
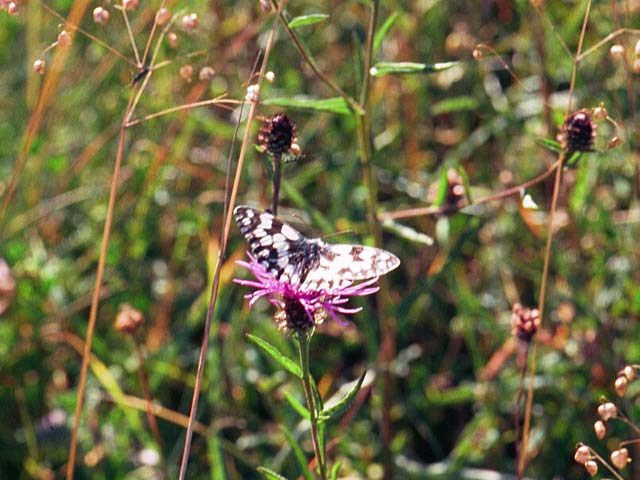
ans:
(524, 322)
(600, 429)
(629, 372)
(130, 4)
(617, 51)
(620, 458)
(592, 467)
(578, 132)
(190, 22)
(100, 15)
(582, 455)
(64, 39)
(162, 16)
(128, 319)
(172, 40)
(206, 73)
(277, 135)
(186, 72)
(39, 66)
(607, 410)
(270, 76)
(620, 386)
(253, 93)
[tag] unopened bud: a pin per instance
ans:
(186, 72)
(620, 458)
(190, 22)
(617, 51)
(592, 467)
(64, 39)
(607, 410)
(100, 15)
(129, 319)
(130, 4)
(620, 386)
(582, 455)
(295, 149)
(39, 66)
(600, 429)
(206, 73)
(172, 40)
(162, 16)
(629, 372)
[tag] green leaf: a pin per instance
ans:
(383, 31)
(549, 143)
(335, 470)
(277, 355)
(343, 405)
(298, 453)
(307, 19)
(442, 188)
(392, 68)
(217, 458)
(333, 105)
(270, 474)
(455, 104)
(297, 406)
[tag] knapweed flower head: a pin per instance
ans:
(277, 135)
(299, 310)
(578, 132)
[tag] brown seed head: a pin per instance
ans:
(277, 135)
(128, 319)
(524, 322)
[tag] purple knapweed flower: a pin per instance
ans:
(299, 310)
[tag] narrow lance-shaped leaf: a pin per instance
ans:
(273, 352)
(270, 474)
(332, 105)
(343, 405)
(299, 454)
(297, 406)
(398, 68)
(335, 470)
(307, 19)
(383, 31)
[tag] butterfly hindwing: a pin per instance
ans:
(310, 263)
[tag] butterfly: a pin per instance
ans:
(308, 263)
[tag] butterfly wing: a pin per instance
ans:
(340, 265)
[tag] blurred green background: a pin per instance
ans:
(457, 369)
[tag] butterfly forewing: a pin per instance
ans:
(310, 263)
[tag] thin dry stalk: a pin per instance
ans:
(223, 245)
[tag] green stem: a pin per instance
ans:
(277, 173)
(303, 348)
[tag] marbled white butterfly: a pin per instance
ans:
(308, 263)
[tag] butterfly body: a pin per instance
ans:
(309, 263)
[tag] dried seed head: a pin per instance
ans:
(39, 66)
(172, 40)
(578, 132)
(524, 322)
(617, 51)
(186, 72)
(162, 16)
(592, 467)
(600, 429)
(582, 455)
(607, 410)
(270, 76)
(130, 4)
(206, 73)
(100, 15)
(128, 319)
(620, 458)
(265, 6)
(7, 286)
(629, 372)
(277, 135)
(620, 386)
(64, 39)
(190, 22)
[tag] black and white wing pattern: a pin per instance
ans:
(308, 263)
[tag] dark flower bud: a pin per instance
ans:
(277, 134)
(578, 132)
(524, 322)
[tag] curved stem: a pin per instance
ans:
(312, 406)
